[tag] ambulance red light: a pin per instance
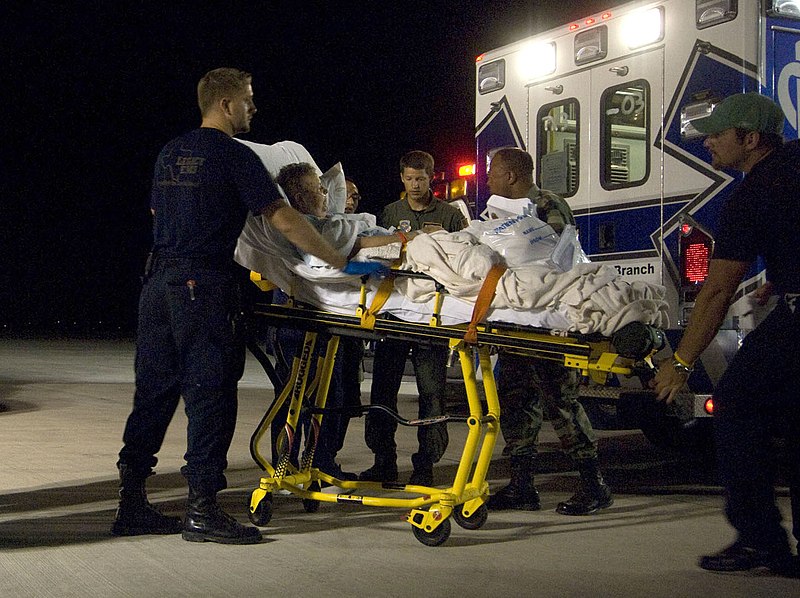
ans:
(479, 58)
(695, 262)
(590, 22)
(695, 247)
(605, 16)
(709, 405)
(573, 27)
(466, 170)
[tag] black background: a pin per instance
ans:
(94, 89)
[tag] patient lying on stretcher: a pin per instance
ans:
(348, 233)
(549, 283)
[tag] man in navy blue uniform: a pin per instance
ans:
(757, 396)
(188, 345)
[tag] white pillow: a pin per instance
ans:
(333, 181)
(280, 154)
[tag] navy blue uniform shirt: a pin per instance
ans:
(203, 186)
(762, 218)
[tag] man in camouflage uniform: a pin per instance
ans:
(529, 388)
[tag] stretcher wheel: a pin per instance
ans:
(309, 504)
(474, 521)
(263, 513)
(435, 537)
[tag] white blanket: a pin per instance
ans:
(587, 298)
(592, 296)
(554, 289)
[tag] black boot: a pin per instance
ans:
(423, 471)
(207, 522)
(384, 470)
(135, 515)
(592, 495)
(520, 494)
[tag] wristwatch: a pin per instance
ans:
(681, 368)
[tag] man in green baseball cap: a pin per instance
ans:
(748, 111)
(758, 391)
(742, 130)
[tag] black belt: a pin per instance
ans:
(205, 262)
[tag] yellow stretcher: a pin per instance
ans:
(627, 353)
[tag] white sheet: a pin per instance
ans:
(588, 298)
(558, 292)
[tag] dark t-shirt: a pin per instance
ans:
(400, 215)
(204, 184)
(762, 217)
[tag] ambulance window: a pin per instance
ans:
(557, 150)
(624, 135)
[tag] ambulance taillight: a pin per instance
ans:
(695, 248)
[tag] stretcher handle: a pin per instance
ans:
(414, 423)
(420, 276)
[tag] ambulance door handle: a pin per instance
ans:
(619, 70)
(556, 89)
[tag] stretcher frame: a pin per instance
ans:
(429, 508)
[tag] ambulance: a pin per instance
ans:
(605, 106)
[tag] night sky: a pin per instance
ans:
(94, 89)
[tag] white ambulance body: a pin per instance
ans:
(604, 105)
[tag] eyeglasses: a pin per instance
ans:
(354, 196)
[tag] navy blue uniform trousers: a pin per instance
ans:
(756, 399)
(187, 346)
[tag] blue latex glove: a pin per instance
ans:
(365, 268)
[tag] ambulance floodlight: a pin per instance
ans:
(591, 45)
(713, 12)
(645, 27)
(538, 60)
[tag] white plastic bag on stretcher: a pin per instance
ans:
(524, 240)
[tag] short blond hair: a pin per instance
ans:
(218, 84)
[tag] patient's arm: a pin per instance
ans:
(379, 240)
(294, 226)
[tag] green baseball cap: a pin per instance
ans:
(749, 111)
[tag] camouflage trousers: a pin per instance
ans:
(531, 390)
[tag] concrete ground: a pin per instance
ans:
(66, 402)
